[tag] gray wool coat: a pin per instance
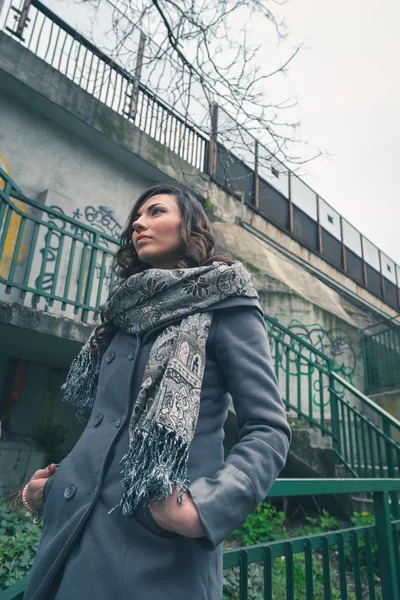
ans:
(86, 553)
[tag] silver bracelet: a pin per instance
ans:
(36, 515)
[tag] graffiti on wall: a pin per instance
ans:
(13, 228)
(336, 345)
(100, 218)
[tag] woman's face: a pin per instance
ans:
(157, 231)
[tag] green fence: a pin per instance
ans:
(381, 353)
(354, 563)
(51, 256)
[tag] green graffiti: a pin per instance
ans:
(290, 355)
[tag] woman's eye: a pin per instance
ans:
(155, 210)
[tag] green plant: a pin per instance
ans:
(265, 523)
(207, 205)
(313, 525)
(19, 539)
(363, 519)
(51, 440)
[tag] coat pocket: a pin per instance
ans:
(145, 518)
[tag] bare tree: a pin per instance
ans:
(198, 53)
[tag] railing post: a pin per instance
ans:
(319, 229)
(212, 156)
(22, 21)
(334, 412)
(391, 467)
(138, 73)
(291, 222)
(256, 180)
(364, 353)
(387, 563)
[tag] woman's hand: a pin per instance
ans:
(180, 518)
(34, 491)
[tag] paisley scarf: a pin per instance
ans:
(165, 413)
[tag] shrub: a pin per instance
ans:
(19, 539)
(264, 524)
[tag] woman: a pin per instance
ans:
(182, 328)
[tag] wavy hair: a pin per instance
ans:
(198, 248)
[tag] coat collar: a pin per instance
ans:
(231, 302)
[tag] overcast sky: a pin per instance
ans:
(347, 86)
(348, 91)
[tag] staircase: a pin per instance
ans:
(337, 430)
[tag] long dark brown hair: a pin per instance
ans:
(198, 248)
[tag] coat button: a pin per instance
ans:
(131, 355)
(119, 421)
(98, 419)
(110, 356)
(70, 491)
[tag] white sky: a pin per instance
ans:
(348, 91)
(347, 86)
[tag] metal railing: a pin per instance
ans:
(381, 354)
(75, 268)
(343, 559)
(49, 37)
(244, 166)
(364, 436)
(320, 564)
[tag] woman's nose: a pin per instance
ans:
(139, 224)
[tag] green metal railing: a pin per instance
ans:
(381, 354)
(76, 261)
(343, 559)
(364, 436)
(320, 566)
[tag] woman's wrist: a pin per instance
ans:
(36, 514)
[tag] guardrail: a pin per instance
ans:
(317, 566)
(75, 268)
(243, 165)
(364, 436)
(381, 354)
(339, 560)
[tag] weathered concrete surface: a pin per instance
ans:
(226, 209)
(273, 272)
(306, 459)
(33, 335)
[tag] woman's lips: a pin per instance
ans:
(143, 239)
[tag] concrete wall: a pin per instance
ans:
(60, 171)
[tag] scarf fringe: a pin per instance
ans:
(156, 462)
(81, 382)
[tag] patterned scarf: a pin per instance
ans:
(165, 413)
